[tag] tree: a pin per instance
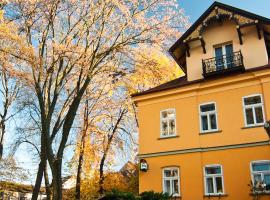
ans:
(159, 70)
(92, 109)
(27, 136)
(11, 172)
(152, 67)
(112, 126)
(59, 46)
(9, 91)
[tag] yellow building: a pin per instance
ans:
(202, 136)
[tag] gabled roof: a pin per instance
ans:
(241, 17)
(232, 9)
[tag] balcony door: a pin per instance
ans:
(224, 56)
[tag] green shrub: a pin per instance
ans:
(151, 195)
(117, 195)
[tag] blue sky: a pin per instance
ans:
(194, 8)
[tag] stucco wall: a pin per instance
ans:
(227, 93)
(236, 172)
(253, 49)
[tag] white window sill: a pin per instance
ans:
(175, 195)
(253, 126)
(215, 195)
(168, 137)
(210, 132)
(260, 193)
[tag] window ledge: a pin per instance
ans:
(168, 137)
(210, 132)
(255, 126)
(215, 195)
(177, 197)
(260, 194)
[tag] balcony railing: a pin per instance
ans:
(223, 64)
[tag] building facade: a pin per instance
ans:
(202, 136)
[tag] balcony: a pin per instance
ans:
(223, 65)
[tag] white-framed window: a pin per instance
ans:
(224, 56)
(253, 110)
(168, 123)
(213, 180)
(171, 181)
(260, 173)
(208, 117)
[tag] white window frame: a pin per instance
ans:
(171, 180)
(259, 172)
(168, 136)
(253, 106)
(213, 176)
(208, 118)
(223, 46)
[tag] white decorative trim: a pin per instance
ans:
(213, 112)
(178, 178)
(214, 183)
(252, 106)
(258, 172)
(168, 136)
(203, 149)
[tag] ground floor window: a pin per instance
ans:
(260, 171)
(171, 181)
(213, 180)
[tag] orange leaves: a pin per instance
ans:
(152, 67)
(73, 51)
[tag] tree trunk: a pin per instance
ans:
(82, 147)
(41, 168)
(47, 182)
(57, 179)
(79, 171)
(102, 162)
(3, 130)
(39, 178)
(1, 151)
(101, 172)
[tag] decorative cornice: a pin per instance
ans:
(218, 14)
(199, 85)
(204, 149)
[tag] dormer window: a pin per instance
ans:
(224, 56)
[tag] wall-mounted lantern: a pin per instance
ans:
(143, 165)
(267, 128)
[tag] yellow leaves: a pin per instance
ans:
(115, 181)
(110, 93)
(152, 68)
(1, 15)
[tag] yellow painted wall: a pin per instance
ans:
(227, 93)
(223, 33)
(236, 172)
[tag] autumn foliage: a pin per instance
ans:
(79, 61)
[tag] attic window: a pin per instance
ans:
(224, 56)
